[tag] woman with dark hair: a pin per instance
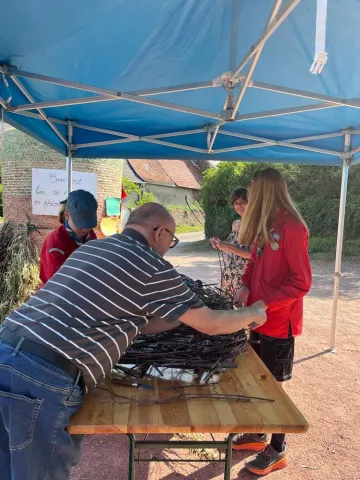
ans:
(235, 255)
(277, 277)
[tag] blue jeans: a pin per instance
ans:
(37, 400)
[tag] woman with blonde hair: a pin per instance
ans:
(279, 276)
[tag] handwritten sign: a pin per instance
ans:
(49, 188)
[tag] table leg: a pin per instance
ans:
(228, 456)
(131, 467)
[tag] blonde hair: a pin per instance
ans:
(61, 214)
(268, 194)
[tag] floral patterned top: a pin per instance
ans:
(234, 265)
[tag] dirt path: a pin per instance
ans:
(325, 387)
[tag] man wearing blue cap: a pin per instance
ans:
(77, 223)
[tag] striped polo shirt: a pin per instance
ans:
(91, 310)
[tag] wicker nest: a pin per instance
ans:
(185, 348)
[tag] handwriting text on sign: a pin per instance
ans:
(49, 188)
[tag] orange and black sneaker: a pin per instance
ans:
(250, 441)
(266, 461)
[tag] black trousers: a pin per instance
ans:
(278, 356)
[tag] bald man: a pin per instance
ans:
(68, 336)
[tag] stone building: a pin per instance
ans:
(22, 153)
(171, 181)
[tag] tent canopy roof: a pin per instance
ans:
(152, 78)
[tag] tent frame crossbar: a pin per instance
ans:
(329, 102)
(261, 142)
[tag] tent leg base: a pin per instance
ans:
(330, 350)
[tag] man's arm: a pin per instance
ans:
(218, 322)
(158, 325)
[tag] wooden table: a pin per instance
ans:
(102, 412)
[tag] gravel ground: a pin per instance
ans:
(325, 387)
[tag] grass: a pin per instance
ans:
(19, 266)
(320, 247)
(193, 205)
(188, 228)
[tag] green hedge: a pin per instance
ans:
(315, 189)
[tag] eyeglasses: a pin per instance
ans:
(174, 240)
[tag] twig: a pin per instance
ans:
(185, 398)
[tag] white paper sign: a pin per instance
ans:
(49, 188)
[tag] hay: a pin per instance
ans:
(19, 266)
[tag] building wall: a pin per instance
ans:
(22, 153)
(168, 195)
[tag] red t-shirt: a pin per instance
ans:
(57, 247)
(281, 277)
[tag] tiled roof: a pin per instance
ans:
(178, 173)
(151, 171)
(130, 173)
(183, 173)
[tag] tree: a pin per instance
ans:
(142, 196)
(316, 190)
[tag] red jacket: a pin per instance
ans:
(281, 277)
(57, 247)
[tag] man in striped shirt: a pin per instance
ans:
(69, 335)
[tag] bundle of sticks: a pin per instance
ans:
(185, 348)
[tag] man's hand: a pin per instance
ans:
(241, 296)
(261, 304)
(260, 312)
(221, 322)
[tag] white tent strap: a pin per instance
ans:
(321, 55)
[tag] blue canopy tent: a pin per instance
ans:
(232, 80)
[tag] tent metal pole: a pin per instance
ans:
(269, 142)
(265, 142)
(69, 157)
(256, 58)
(141, 139)
(291, 140)
(43, 115)
(121, 96)
(340, 237)
(234, 34)
(284, 111)
(230, 96)
(315, 137)
(127, 135)
(37, 116)
(200, 130)
(3, 103)
(354, 103)
(64, 103)
(7, 70)
(277, 21)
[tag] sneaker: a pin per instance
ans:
(250, 441)
(266, 461)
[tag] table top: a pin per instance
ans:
(102, 412)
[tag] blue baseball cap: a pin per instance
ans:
(82, 207)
